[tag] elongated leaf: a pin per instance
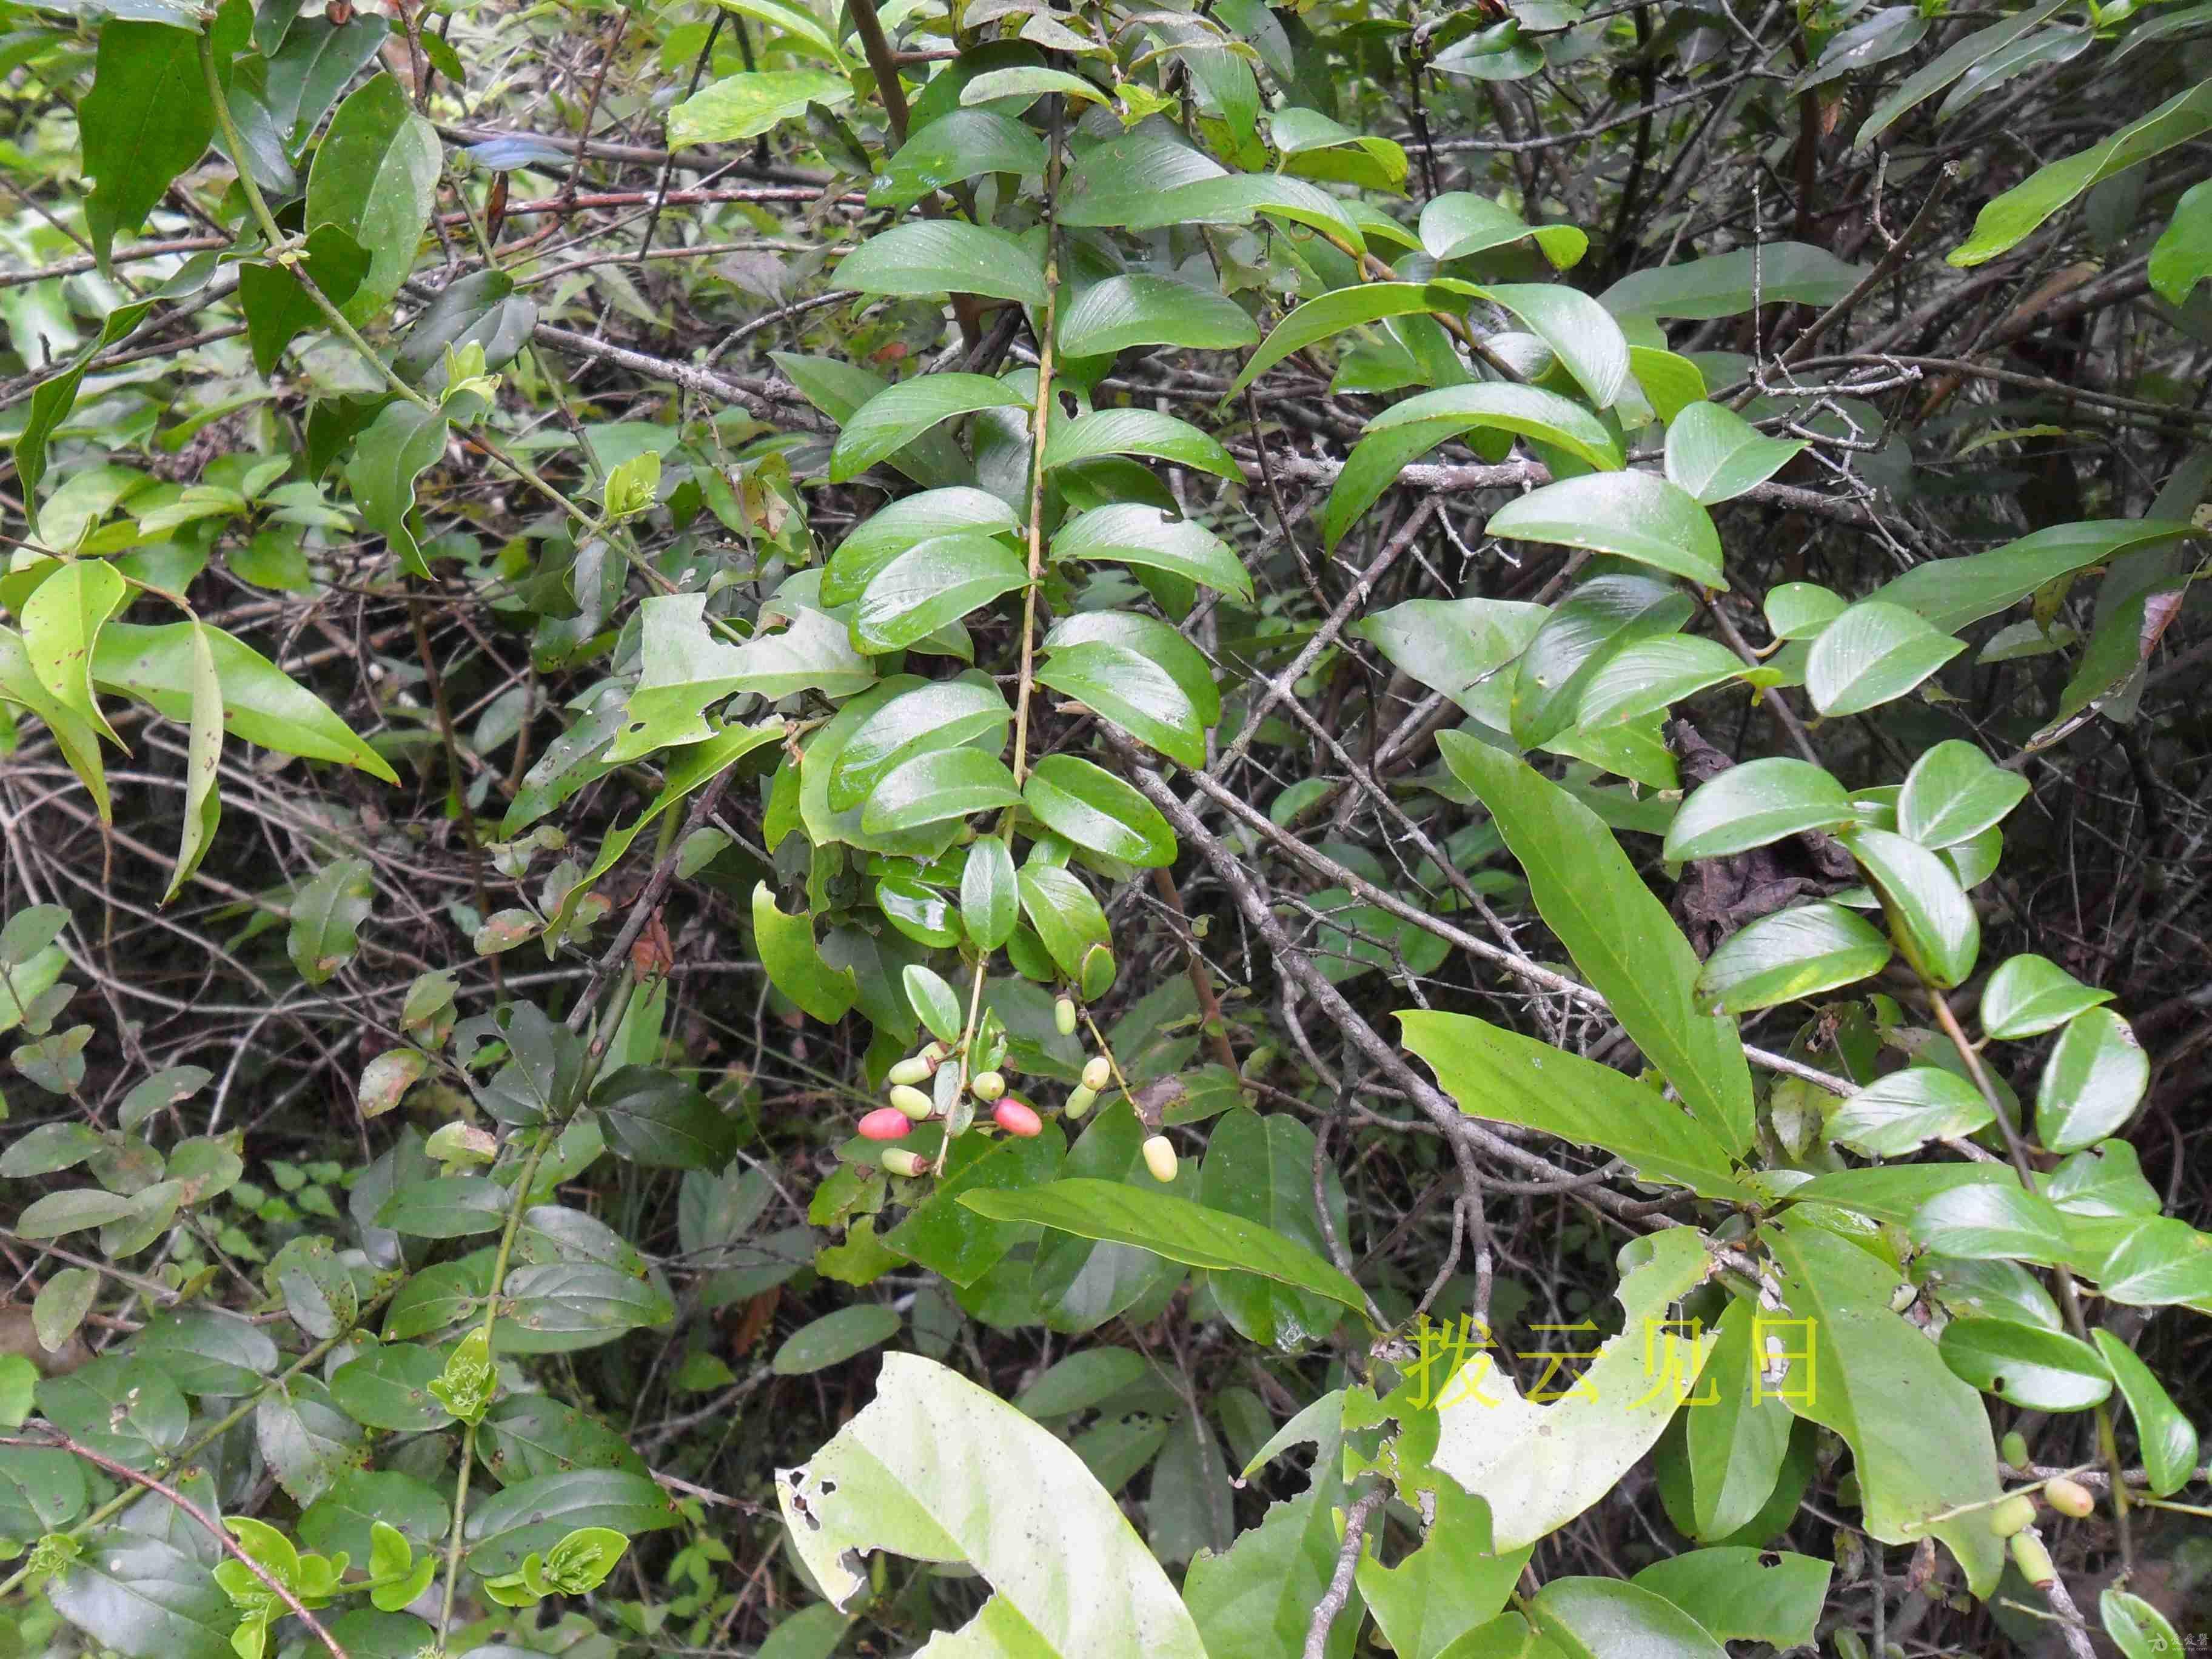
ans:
(2093, 1082)
(936, 1469)
(740, 106)
(1650, 676)
(1580, 332)
(1132, 692)
(147, 118)
(1726, 284)
(1873, 653)
(1754, 803)
(931, 585)
(376, 178)
(1930, 917)
(835, 1338)
(1948, 65)
(1635, 515)
(914, 518)
(936, 715)
(1133, 534)
(1949, 594)
(943, 256)
(1737, 1433)
(1138, 432)
(1716, 455)
(1953, 793)
(1794, 954)
(2182, 258)
(62, 620)
(326, 918)
(952, 148)
(2168, 1439)
(1330, 314)
(1373, 467)
(944, 783)
(896, 417)
(1853, 1361)
(1172, 1227)
(1238, 199)
(1529, 410)
(1618, 933)
(203, 762)
(2031, 1368)
(2137, 1628)
(56, 394)
(1899, 1114)
(1459, 225)
(1096, 810)
(1137, 310)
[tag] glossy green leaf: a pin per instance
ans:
(1860, 1359)
(1138, 432)
(933, 584)
(2093, 1082)
(2137, 1628)
(989, 903)
(1728, 285)
(1752, 804)
(1330, 314)
(1948, 65)
(537, 1514)
(1898, 1113)
(1651, 675)
(740, 106)
(1499, 1074)
(1096, 810)
(1132, 533)
(1989, 1222)
(1139, 310)
(876, 543)
(2028, 995)
(897, 415)
(835, 1338)
(1799, 610)
(2182, 256)
(1459, 225)
(147, 118)
(1172, 1227)
(954, 147)
(1129, 691)
(1716, 455)
(944, 256)
(1581, 635)
(1930, 917)
(1238, 199)
(1744, 1594)
(1580, 333)
(2008, 219)
(1373, 467)
(944, 783)
(1633, 515)
(2168, 1439)
(1618, 933)
(1066, 917)
(375, 177)
(1528, 410)
(1150, 638)
(794, 963)
(1953, 793)
(1949, 594)
(938, 714)
(1873, 653)
(2033, 1369)
(1791, 954)
(1736, 1433)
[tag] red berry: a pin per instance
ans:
(885, 1123)
(1016, 1119)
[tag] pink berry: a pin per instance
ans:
(885, 1123)
(1016, 1119)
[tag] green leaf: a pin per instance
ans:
(62, 623)
(1737, 1433)
(2168, 1439)
(2093, 1082)
(1080, 1382)
(2137, 1628)
(128, 1409)
(957, 1242)
(1129, 691)
(1501, 1075)
(482, 308)
(1138, 432)
(202, 763)
(389, 1388)
(956, 146)
(1529, 410)
(57, 395)
(1716, 455)
(537, 1514)
(403, 443)
(944, 256)
(326, 917)
(375, 177)
(1930, 917)
(1634, 516)
(1459, 225)
(1953, 793)
(687, 669)
(1650, 676)
(261, 704)
(1134, 533)
(1605, 1618)
(1028, 84)
(897, 415)
(452, 1207)
(1150, 638)
(938, 714)
(837, 388)
(1989, 1222)
(1171, 1227)
(2006, 220)
(1539, 1464)
(73, 734)
(1727, 284)
(278, 309)
(147, 118)
(18, 1378)
(989, 901)
(1744, 1594)
(1860, 1360)
(1619, 934)
(1949, 594)
(1123, 312)
(1583, 634)
(1898, 1113)
(933, 584)
(902, 524)
(1791, 954)
(2026, 1365)
(559, 1307)
(937, 1469)
(144, 1599)
(1873, 653)
(657, 1119)
(740, 106)
(1331, 314)
(1096, 810)
(944, 783)
(1067, 918)
(795, 963)
(2028, 995)
(1373, 467)
(1452, 1584)
(1261, 1168)
(61, 1305)
(2182, 256)
(1580, 333)
(1753, 804)
(1232, 199)
(1948, 65)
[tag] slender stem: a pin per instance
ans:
(1040, 433)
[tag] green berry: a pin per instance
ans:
(2014, 1514)
(987, 1086)
(1160, 1158)
(2033, 1560)
(1097, 1072)
(2069, 1497)
(901, 1162)
(915, 1103)
(912, 1070)
(1063, 1015)
(2014, 1449)
(1080, 1101)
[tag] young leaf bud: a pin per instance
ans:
(901, 1162)
(1097, 1073)
(912, 1102)
(1016, 1119)
(1063, 1015)
(2033, 1559)
(2069, 1497)
(912, 1070)
(1080, 1101)
(1160, 1157)
(2015, 1448)
(885, 1123)
(2016, 1512)
(987, 1086)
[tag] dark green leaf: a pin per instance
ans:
(835, 1338)
(1930, 917)
(944, 256)
(1901, 1113)
(537, 1514)
(144, 1599)
(375, 177)
(2168, 1439)
(1794, 954)
(1130, 691)
(147, 118)
(1096, 810)
(941, 784)
(1123, 312)
(658, 1119)
(389, 1388)
(933, 584)
(898, 415)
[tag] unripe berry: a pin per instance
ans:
(912, 1070)
(2014, 1449)
(1097, 1073)
(2033, 1560)
(1080, 1101)
(935, 1053)
(901, 1162)
(885, 1123)
(987, 1086)
(1063, 1015)
(1160, 1157)
(2069, 1497)
(912, 1102)
(1016, 1119)
(2016, 1512)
